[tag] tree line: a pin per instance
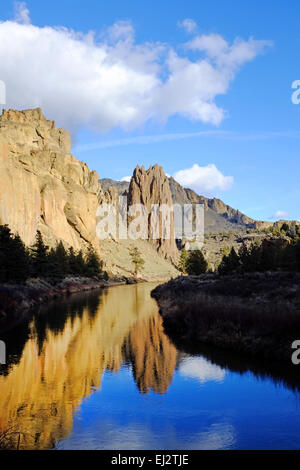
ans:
(270, 255)
(18, 262)
(280, 253)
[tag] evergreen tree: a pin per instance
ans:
(136, 259)
(80, 265)
(62, 258)
(244, 256)
(54, 269)
(196, 263)
(93, 263)
(39, 257)
(229, 263)
(14, 259)
(19, 261)
(183, 260)
(72, 261)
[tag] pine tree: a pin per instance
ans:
(137, 260)
(229, 263)
(183, 260)
(39, 257)
(80, 265)
(19, 262)
(54, 270)
(234, 260)
(93, 263)
(14, 259)
(196, 263)
(62, 258)
(72, 261)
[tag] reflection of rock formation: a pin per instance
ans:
(152, 355)
(60, 366)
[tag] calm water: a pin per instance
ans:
(98, 372)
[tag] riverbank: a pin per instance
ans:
(16, 300)
(256, 314)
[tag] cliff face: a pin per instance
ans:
(42, 186)
(150, 187)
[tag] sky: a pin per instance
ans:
(204, 89)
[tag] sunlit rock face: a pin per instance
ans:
(149, 187)
(43, 187)
(62, 362)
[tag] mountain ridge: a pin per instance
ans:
(219, 217)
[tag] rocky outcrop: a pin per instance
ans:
(43, 187)
(149, 187)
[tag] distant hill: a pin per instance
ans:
(122, 186)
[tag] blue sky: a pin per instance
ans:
(166, 91)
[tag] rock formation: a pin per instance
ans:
(150, 187)
(43, 187)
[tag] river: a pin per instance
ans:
(96, 371)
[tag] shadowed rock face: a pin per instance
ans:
(43, 187)
(150, 187)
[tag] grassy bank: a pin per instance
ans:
(256, 314)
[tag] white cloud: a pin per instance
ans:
(228, 56)
(21, 13)
(281, 215)
(203, 179)
(82, 81)
(188, 24)
(126, 178)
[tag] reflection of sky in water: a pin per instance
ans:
(211, 411)
(202, 370)
(117, 416)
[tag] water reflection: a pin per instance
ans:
(202, 370)
(98, 372)
(65, 353)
